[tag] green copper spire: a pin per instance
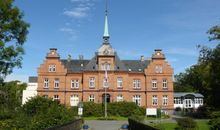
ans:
(106, 34)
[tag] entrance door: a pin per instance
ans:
(107, 98)
(188, 103)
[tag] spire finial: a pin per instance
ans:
(106, 34)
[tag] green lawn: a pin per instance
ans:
(202, 125)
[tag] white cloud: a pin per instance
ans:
(183, 51)
(69, 31)
(80, 10)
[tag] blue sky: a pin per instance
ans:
(136, 28)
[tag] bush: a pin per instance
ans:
(124, 109)
(186, 124)
(201, 112)
(38, 113)
(215, 121)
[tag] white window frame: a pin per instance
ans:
(137, 99)
(56, 83)
(92, 82)
(75, 83)
(56, 98)
(106, 66)
(120, 98)
(91, 98)
(52, 68)
(154, 83)
(165, 83)
(136, 83)
(105, 83)
(46, 83)
(74, 100)
(119, 82)
(154, 100)
(159, 69)
(165, 100)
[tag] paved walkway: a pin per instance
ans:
(105, 125)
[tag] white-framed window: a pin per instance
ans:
(52, 68)
(56, 97)
(92, 82)
(196, 100)
(165, 100)
(74, 100)
(158, 69)
(154, 83)
(164, 83)
(45, 96)
(75, 83)
(200, 101)
(92, 98)
(56, 83)
(120, 98)
(105, 83)
(177, 100)
(137, 99)
(137, 83)
(106, 66)
(154, 100)
(46, 83)
(119, 82)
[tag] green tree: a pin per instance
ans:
(204, 77)
(13, 32)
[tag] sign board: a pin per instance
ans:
(80, 111)
(151, 111)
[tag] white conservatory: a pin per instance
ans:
(186, 100)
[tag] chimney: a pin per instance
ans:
(142, 58)
(158, 54)
(80, 57)
(53, 53)
(69, 58)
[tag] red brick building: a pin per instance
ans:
(148, 83)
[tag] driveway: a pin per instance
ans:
(105, 125)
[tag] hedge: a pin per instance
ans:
(123, 109)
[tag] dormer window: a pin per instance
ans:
(159, 69)
(52, 68)
(106, 66)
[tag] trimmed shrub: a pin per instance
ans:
(123, 109)
(186, 124)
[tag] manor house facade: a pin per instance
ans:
(147, 82)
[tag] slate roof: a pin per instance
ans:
(91, 65)
(182, 94)
(32, 79)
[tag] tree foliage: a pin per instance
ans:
(38, 113)
(13, 32)
(204, 77)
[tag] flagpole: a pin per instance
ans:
(105, 93)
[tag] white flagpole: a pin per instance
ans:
(106, 85)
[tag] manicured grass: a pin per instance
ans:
(202, 125)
